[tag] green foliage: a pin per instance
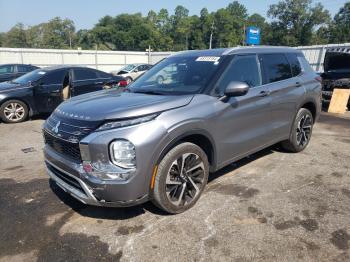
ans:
(293, 22)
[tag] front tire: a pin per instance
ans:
(301, 132)
(181, 178)
(13, 111)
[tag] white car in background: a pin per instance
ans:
(132, 71)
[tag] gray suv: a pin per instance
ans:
(160, 140)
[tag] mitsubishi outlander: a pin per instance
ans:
(159, 141)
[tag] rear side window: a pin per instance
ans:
(294, 63)
(276, 67)
(6, 69)
(243, 68)
(305, 66)
(84, 74)
(103, 74)
(54, 78)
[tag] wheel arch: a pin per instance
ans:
(30, 110)
(198, 137)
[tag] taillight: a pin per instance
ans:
(123, 83)
(318, 78)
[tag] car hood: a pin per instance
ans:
(9, 86)
(108, 105)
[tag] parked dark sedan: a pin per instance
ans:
(12, 71)
(42, 90)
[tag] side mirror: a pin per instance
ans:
(235, 88)
(136, 70)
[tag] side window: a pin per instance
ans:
(243, 68)
(294, 63)
(54, 78)
(84, 74)
(103, 74)
(139, 68)
(8, 69)
(23, 68)
(276, 67)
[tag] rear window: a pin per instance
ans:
(294, 63)
(276, 67)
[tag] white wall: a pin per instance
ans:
(112, 60)
(103, 60)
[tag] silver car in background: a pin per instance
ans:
(132, 71)
(159, 140)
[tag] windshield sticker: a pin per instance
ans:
(208, 58)
(41, 73)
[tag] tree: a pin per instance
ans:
(16, 37)
(340, 28)
(295, 21)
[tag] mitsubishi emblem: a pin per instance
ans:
(55, 128)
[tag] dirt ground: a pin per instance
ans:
(272, 206)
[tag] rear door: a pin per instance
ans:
(243, 125)
(86, 80)
(48, 90)
(285, 90)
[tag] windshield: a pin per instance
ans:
(29, 77)
(177, 75)
(128, 68)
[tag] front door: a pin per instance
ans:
(243, 123)
(48, 90)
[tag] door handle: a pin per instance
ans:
(264, 93)
(298, 84)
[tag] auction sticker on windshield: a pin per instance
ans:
(208, 58)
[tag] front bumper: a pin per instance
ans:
(70, 175)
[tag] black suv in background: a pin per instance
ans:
(336, 72)
(12, 71)
(42, 90)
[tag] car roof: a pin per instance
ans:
(17, 65)
(56, 67)
(238, 50)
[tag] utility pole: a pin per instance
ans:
(149, 50)
(211, 34)
(244, 35)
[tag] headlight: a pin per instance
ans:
(128, 122)
(123, 153)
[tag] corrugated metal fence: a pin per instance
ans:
(315, 54)
(112, 60)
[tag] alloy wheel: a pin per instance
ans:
(304, 130)
(14, 112)
(185, 179)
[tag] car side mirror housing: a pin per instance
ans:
(236, 88)
(136, 70)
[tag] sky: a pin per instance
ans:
(86, 13)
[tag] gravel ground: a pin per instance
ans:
(272, 206)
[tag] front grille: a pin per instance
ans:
(63, 147)
(66, 178)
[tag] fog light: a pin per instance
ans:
(123, 154)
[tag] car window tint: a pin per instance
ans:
(103, 74)
(84, 74)
(294, 63)
(6, 69)
(276, 67)
(55, 77)
(243, 69)
(23, 68)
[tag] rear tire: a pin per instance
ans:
(13, 111)
(301, 132)
(181, 178)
